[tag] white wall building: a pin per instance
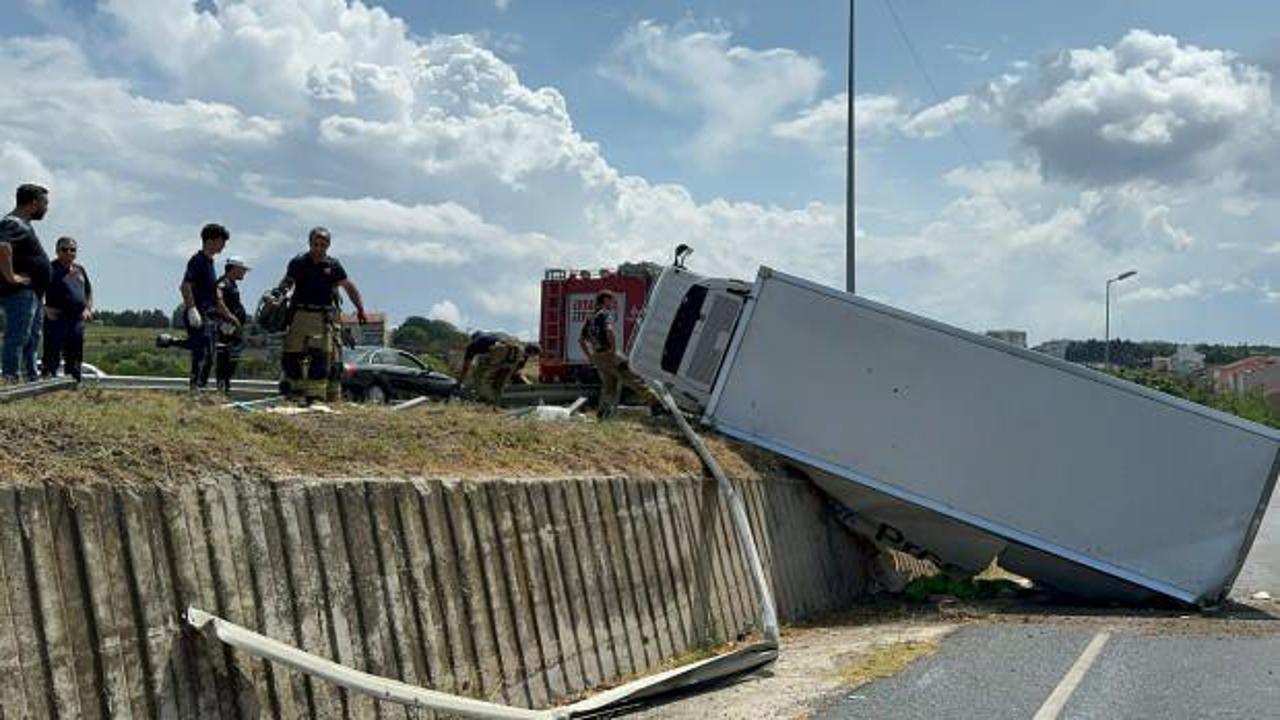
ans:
(1186, 360)
(1013, 337)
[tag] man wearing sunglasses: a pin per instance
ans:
(68, 304)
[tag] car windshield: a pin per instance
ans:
(404, 359)
(398, 358)
(356, 355)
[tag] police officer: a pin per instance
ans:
(230, 334)
(202, 304)
(314, 276)
(599, 342)
(491, 362)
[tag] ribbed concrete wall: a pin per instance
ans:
(516, 591)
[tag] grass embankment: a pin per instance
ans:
(92, 435)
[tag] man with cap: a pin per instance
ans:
(230, 334)
(491, 362)
(314, 275)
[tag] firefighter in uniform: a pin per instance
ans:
(230, 335)
(491, 362)
(314, 276)
(599, 342)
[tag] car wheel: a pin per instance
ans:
(377, 395)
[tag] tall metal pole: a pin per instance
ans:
(1106, 342)
(849, 224)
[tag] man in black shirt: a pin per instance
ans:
(230, 334)
(24, 275)
(313, 276)
(68, 305)
(202, 305)
(599, 342)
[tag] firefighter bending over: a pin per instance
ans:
(493, 361)
(314, 276)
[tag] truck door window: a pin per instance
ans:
(682, 328)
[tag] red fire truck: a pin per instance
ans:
(568, 301)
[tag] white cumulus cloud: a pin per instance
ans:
(1147, 107)
(447, 311)
(443, 176)
(736, 91)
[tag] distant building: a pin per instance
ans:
(374, 332)
(1161, 364)
(1056, 348)
(1186, 360)
(1013, 337)
(1260, 372)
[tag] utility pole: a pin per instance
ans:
(849, 224)
(1106, 343)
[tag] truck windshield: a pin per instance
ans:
(682, 328)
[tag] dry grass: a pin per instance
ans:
(95, 435)
(884, 661)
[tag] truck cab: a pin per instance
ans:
(685, 333)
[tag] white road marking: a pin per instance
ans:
(1062, 693)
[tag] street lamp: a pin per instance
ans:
(1106, 349)
(849, 221)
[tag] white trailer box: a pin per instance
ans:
(960, 448)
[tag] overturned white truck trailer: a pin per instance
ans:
(959, 448)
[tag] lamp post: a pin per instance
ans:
(849, 221)
(1106, 348)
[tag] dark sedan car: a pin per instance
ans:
(380, 375)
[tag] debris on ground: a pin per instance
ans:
(301, 409)
(551, 413)
(942, 585)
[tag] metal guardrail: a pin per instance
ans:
(513, 396)
(9, 393)
(245, 388)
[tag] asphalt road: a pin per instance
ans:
(1005, 670)
(1101, 665)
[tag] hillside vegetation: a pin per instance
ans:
(1249, 406)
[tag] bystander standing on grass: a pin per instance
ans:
(202, 304)
(24, 274)
(68, 306)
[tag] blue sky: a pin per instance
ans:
(457, 149)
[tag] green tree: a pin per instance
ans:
(421, 336)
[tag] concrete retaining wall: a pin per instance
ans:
(517, 591)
